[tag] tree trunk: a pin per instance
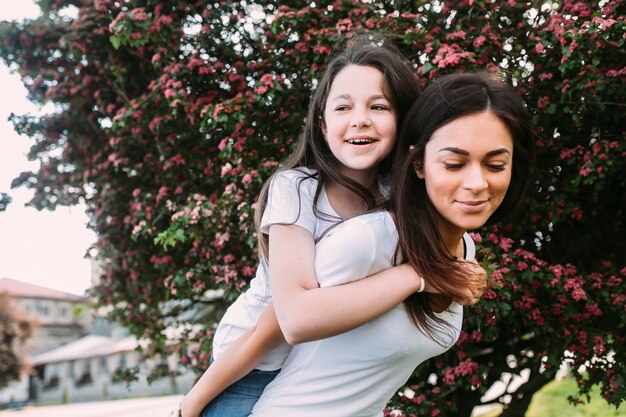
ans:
(523, 395)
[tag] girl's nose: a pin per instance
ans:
(361, 118)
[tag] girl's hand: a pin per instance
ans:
(476, 283)
(188, 408)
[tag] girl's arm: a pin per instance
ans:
(306, 314)
(234, 363)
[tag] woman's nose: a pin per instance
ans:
(475, 179)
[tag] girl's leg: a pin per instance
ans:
(239, 398)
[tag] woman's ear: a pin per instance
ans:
(419, 171)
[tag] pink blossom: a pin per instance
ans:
(159, 260)
(448, 377)
(260, 89)
(579, 294)
(419, 399)
(139, 14)
(543, 102)
(506, 243)
(466, 367)
(577, 214)
(267, 79)
(458, 34)
(545, 76)
(479, 41)
(162, 193)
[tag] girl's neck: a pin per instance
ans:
(347, 203)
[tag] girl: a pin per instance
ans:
(333, 175)
(470, 153)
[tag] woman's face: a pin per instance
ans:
(359, 120)
(467, 170)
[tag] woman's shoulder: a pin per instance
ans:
(470, 246)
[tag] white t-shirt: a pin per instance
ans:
(290, 201)
(355, 373)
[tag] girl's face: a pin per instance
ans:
(359, 120)
(467, 170)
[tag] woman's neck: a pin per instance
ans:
(452, 238)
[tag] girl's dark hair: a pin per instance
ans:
(401, 88)
(446, 99)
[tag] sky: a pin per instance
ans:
(45, 248)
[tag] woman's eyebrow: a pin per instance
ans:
(466, 153)
(454, 150)
(498, 152)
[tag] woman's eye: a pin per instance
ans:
(379, 107)
(452, 166)
(496, 167)
(342, 108)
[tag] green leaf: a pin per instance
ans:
(115, 41)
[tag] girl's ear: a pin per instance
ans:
(323, 127)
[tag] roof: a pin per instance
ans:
(90, 346)
(17, 288)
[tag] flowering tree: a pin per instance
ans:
(171, 114)
(15, 331)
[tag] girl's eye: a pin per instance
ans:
(342, 108)
(452, 166)
(379, 107)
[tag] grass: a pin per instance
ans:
(551, 401)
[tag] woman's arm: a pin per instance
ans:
(234, 363)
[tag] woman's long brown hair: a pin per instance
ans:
(421, 245)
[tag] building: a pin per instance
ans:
(75, 355)
(60, 317)
(84, 371)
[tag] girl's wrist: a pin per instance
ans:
(422, 286)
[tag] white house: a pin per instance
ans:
(83, 371)
(61, 317)
(71, 363)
